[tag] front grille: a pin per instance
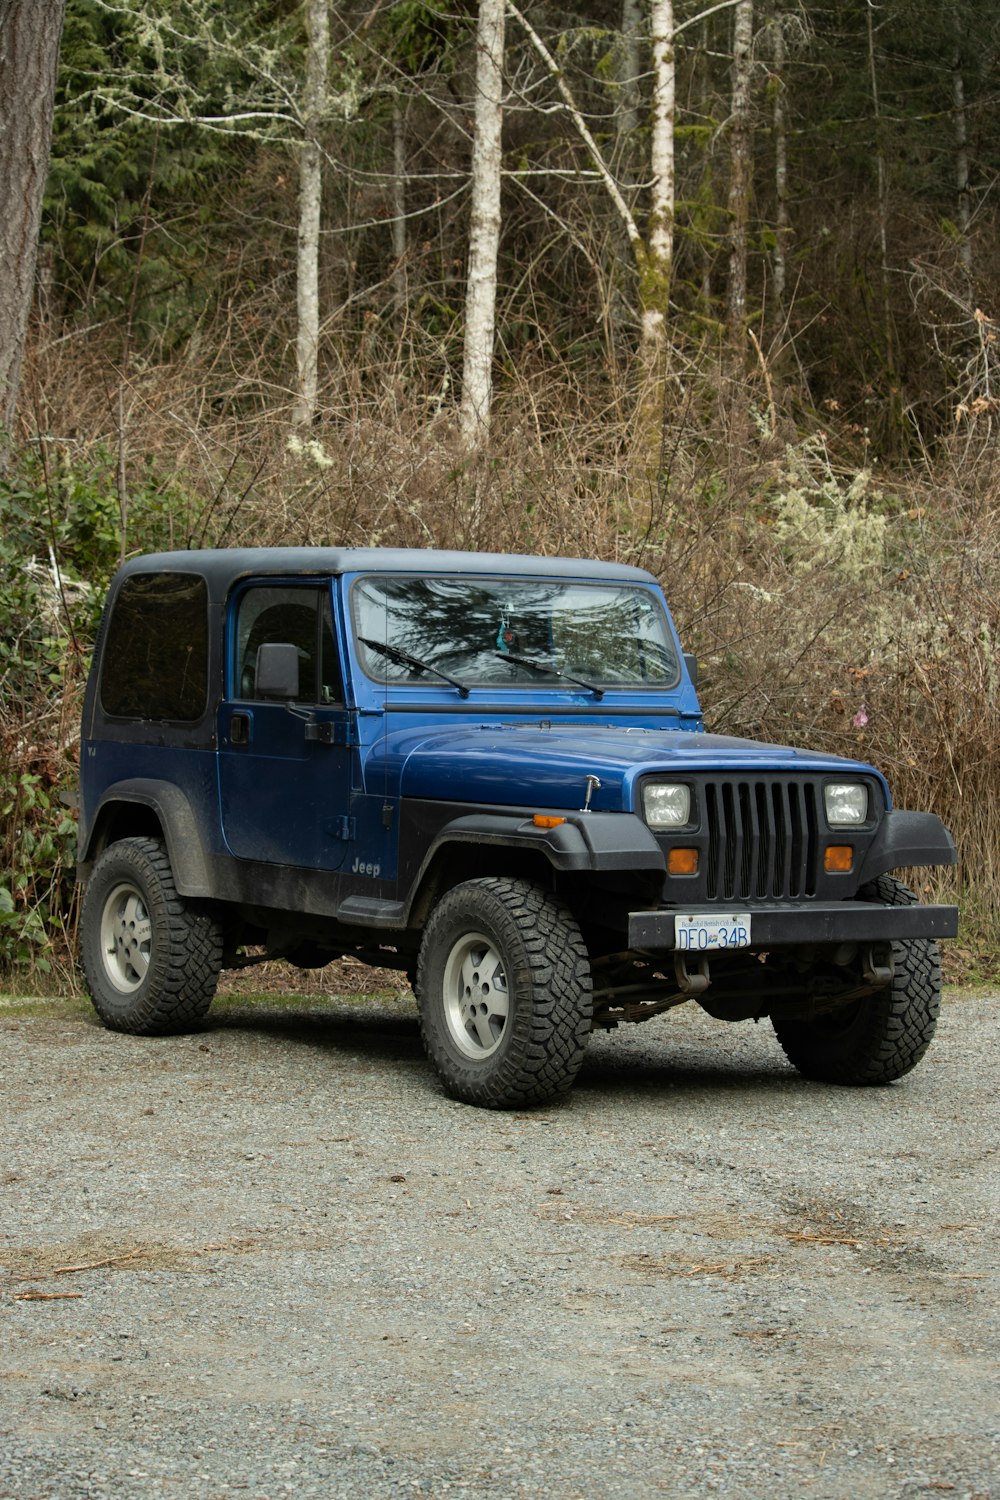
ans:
(762, 839)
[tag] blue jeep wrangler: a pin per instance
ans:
(491, 773)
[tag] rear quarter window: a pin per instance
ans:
(155, 661)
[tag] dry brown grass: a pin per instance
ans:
(897, 664)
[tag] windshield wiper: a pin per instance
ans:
(544, 666)
(404, 659)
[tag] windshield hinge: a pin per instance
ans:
(331, 731)
(341, 828)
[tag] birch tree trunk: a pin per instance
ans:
(484, 229)
(655, 291)
(739, 176)
(30, 33)
(314, 103)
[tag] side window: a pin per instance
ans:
(301, 617)
(155, 659)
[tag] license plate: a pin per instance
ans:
(702, 934)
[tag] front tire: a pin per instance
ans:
(151, 961)
(880, 1038)
(504, 993)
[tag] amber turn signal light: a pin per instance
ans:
(839, 859)
(544, 820)
(682, 862)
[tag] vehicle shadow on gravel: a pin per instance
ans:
(611, 1066)
(605, 1072)
(680, 1079)
(372, 1035)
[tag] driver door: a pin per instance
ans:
(285, 766)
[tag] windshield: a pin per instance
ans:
(475, 629)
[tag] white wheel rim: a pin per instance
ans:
(476, 1001)
(126, 938)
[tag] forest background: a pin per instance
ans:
(707, 287)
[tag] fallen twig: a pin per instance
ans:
(45, 1296)
(96, 1265)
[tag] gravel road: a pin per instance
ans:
(272, 1259)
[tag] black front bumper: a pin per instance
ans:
(796, 923)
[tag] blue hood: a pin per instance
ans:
(514, 765)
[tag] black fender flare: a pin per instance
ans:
(579, 841)
(908, 838)
(181, 832)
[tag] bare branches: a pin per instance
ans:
(584, 131)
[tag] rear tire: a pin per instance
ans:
(152, 962)
(880, 1038)
(504, 993)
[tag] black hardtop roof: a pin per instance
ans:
(222, 566)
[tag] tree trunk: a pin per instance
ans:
(399, 209)
(620, 278)
(962, 160)
(739, 177)
(484, 229)
(30, 33)
(782, 228)
(627, 116)
(314, 102)
(655, 295)
(894, 406)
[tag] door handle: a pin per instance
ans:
(239, 729)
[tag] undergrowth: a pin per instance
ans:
(830, 605)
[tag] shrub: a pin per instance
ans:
(59, 545)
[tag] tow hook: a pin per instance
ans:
(695, 983)
(877, 972)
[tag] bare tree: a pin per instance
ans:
(652, 253)
(782, 228)
(890, 357)
(484, 227)
(630, 65)
(399, 277)
(276, 106)
(961, 155)
(314, 106)
(660, 240)
(629, 60)
(30, 33)
(740, 138)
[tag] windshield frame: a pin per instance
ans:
(373, 663)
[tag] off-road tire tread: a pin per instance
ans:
(892, 1029)
(552, 1013)
(187, 951)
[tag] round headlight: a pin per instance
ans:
(666, 804)
(846, 803)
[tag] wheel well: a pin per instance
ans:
(145, 808)
(600, 903)
(123, 820)
(459, 862)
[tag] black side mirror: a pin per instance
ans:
(277, 671)
(691, 662)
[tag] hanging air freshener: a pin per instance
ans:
(507, 640)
